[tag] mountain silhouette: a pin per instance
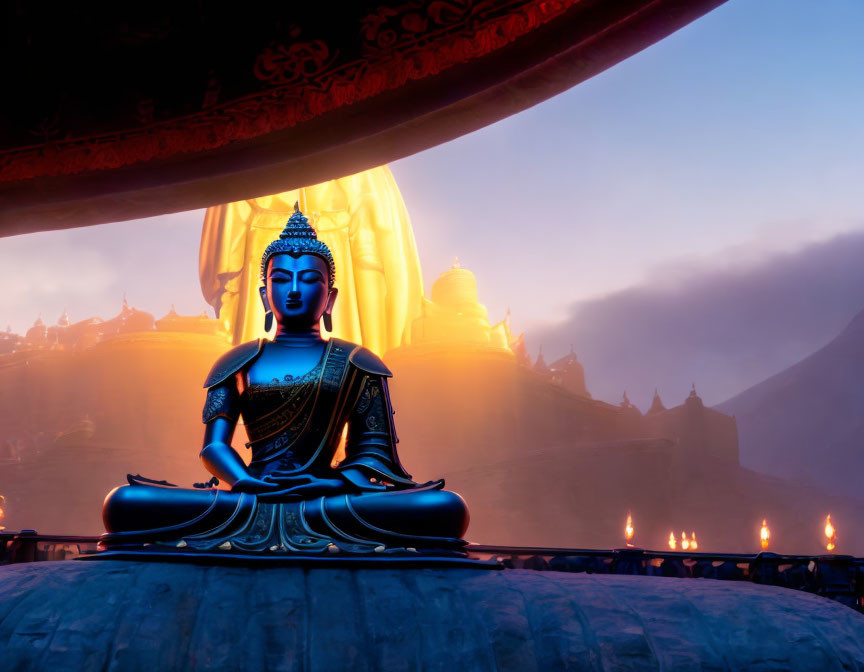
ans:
(807, 422)
(726, 326)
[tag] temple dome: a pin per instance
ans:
(569, 373)
(129, 320)
(37, 334)
(190, 324)
(629, 412)
(456, 288)
(693, 400)
(454, 315)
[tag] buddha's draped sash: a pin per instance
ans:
(296, 425)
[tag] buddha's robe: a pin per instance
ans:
(294, 427)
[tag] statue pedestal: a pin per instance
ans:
(122, 615)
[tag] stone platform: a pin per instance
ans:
(121, 615)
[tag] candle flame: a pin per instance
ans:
(672, 542)
(831, 534)
(628, 530)
(764, 534)
(2, 512)
(685, 542)
(693, 544)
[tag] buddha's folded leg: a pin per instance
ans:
(134, 513)
(423, 517)
(426, 517)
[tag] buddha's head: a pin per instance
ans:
(298, 272)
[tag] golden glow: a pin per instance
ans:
(2, 512)
(673, 543)
(453, 314)
(362, 219)
(694, 545)
(685, 542)
(628, 530)
(830, 534)
(764, 534)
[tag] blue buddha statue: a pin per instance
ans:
(296, 394)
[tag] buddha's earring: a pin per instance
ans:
(328, 321)
(268, 320)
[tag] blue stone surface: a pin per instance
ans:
(120, 615)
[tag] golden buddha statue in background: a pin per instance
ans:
(361, 218)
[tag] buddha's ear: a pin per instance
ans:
(331, 299)
(262, 291)
(268, 314)
(328, 310)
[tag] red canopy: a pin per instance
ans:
(135, 113)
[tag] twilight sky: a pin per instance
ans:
(738, 139)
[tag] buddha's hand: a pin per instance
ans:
(252, 485)
(292, 486)
(361, 481)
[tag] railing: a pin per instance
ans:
(30, 546)
(838, 577)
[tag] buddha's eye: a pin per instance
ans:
(279, 279)
(311, 277)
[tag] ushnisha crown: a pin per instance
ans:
(298, 237)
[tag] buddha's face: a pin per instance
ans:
(296, 289)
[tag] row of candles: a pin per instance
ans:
(691, 544)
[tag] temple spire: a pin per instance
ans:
(540, 365)
(656, 404)
(693, 400)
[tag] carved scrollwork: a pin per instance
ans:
(219, 403)
(286, 84)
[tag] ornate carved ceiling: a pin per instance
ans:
(132, 113)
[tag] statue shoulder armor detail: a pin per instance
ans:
(365, 360)
(232, 361)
